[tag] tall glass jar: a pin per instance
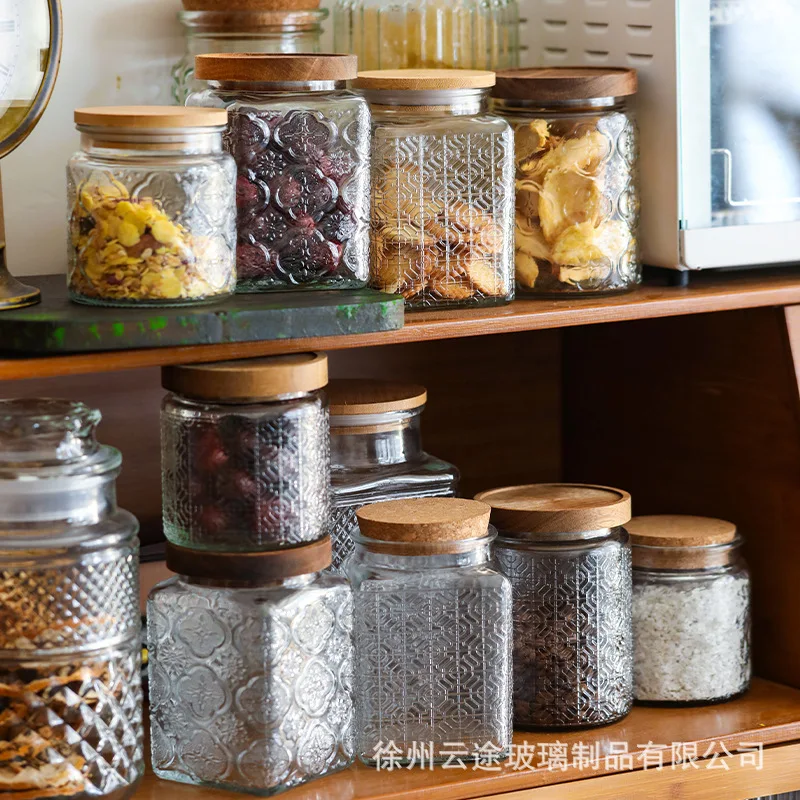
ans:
(691, 610)
(442, 189)
(70, 642)
(376, 453)
(251, 660)
(301, 144)
(569, 563)
(577, 222)
(432, 625)
(245, 453)
(272, 30)
(151, 207)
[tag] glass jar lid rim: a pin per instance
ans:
(275, 67)
(360, 397)
(559, 84)
(164, 119)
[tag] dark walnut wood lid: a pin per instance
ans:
(356, 397)
(249, 5)
(276, 67)
(557, 84)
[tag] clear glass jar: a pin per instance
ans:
(245, 453)
(269, 31)
(691, 611)
(251, 684)
(569, 563)
(376, 454)
(442, 189)
(151, 201)
(70, 644)
(302, 151)
(576, 144)
(432, 626)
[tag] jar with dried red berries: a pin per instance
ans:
(301, 144)
(245, 453)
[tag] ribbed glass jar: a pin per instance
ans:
(151, 198)
(70, 644)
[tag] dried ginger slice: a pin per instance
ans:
(567, 198)
(585, 252)
(530, 139)
(582, 154)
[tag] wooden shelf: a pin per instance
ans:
(769, 714)
(711, 291)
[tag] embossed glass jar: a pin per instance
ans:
(376, 453)
(151, 207)
(251, 660)
(442, 189)
(569, 563)
(577, 214)
(70, 642)
(245, 455)
(432, 622)
(301, 144)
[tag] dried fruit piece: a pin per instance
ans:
(567, 198)
(585, 252)
(530, 139)
(527, 269)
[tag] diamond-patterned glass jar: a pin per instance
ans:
(250, 684)
(442, 189)
(577, 214)
(152, 207)
(70, 642)
(245, 454)
(569, 563)
(432, 625)
(301, 144)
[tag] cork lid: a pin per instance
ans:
(276, 67)
(249, 5)
(355, 397)
(151, 117)
(424, 79)
(557, 507)
(248, 379)
(556, 84)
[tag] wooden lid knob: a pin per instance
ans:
(353, 397)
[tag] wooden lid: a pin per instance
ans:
(360, 397)
(424, 519)
(556, 84)
(249, 5)
(424, 79)
(151, 117)
(248, 379)
(275, 67)
(557, 507)
(676, 530)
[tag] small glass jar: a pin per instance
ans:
(251, 660)
(691, 610)
(70, 642)
(432, 626)
(569, 563)
(376, 454)
(245, 453)
(272, 30)
(577, 218)
(152, 215)
(301, 144)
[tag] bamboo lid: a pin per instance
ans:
(361, 397)
(676, 530)
(424, 79)
(424, 519)
(151, 117)
(557, 507)
(249, 5)
(556, 84)
(248, 379)
(276, 67)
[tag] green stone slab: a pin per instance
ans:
(57, 325)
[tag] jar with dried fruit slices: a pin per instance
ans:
(245, 453)
(301, 144)
(442, 188)
(151, 207)
(576, 178)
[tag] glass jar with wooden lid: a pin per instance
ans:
(432, 622)
(151, 207)
(442, 188)
(376, 453)
(691, 610)
(301, 143)
(576, 178)
(245, 453)
(567, 556)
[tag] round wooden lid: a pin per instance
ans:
(353, 396)
(676, 530)
(151, 117)
(276, 67)
(424, 79)
(424, 519)
(248, 379)
(557, 507)
(249, 5)
(555, 84)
